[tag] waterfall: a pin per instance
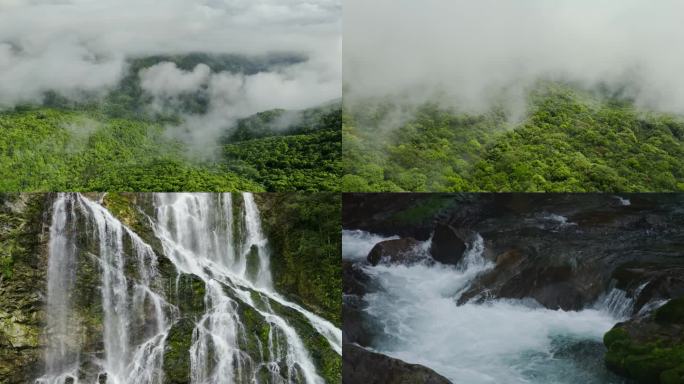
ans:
(617, 303)
(183, 226)
(255, 238)
(62, 354)
(126, 305)
(124, 309)
(216, 237)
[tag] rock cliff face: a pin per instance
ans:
(23, 257)
(564, 251)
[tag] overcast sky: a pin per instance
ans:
(468, 51)
(75, 45)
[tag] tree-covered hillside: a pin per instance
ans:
(119, 142)
(304, 230)
(570, 140)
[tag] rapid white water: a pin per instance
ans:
(356, 244)
(503, 341)
(204, 235)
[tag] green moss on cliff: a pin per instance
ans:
(256, 332)
(22, 265)
(424, 209)
(304, 231)
(176, 353)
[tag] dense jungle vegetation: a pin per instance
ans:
(305, 231)
(118, 143)
(570, 140)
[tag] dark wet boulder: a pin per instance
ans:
(649, 349)
(361, 366)
(394, 251)
(355, 327)
(447, 244)
(649, 282)
(401, 214)
(671, 313)
(520, 274)
(354, 280)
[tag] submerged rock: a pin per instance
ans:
(361, 366)
(650, 349)
(394, 251)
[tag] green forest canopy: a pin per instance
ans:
(117, 143)
(570, 141)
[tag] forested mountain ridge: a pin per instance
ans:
(122, 141)
(570, 140)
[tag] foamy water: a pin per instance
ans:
(504, 341)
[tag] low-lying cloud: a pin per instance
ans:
(468, 53)
(83, 46)
(234, 96)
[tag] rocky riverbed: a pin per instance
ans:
(610, 261)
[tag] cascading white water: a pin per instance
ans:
(126, 360)
(217, 334)
(356, 244)
(501, 341)
(62, 353)
(124, 309)
(182, 226)
(256, 238)
(617, 303)
(202, 234)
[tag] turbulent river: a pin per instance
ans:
(196, 232)
(414, 317)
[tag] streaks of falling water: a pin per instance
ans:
(255, 238)
(617, 303)
(62, 354)
(127, 358)
(216, 335)
(216, 357)
(201, 234)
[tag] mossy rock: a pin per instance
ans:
(130, 209)
(23, 261)
(253, 262)
(672, 312)
(673, 376)
(646, 352)
(176, 353)
(189, 291)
